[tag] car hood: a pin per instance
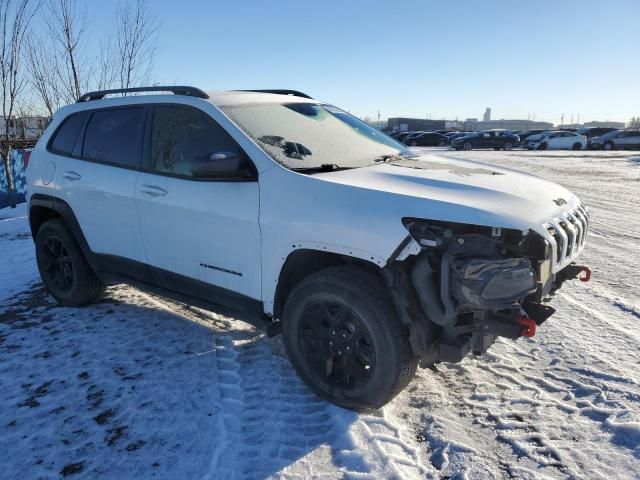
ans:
(534, 138)
(438, 187)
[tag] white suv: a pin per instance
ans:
(289, 213)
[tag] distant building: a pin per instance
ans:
(24, 128)
(402, 124)
(473, 125)
(487, 115)
(605, 124)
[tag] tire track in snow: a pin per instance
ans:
(272, 422)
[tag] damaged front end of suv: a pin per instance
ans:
(458, 286)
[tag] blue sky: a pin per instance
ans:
(412, 58)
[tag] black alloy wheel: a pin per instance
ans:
(63, 267)
(337, 346)
(345, 340)
(57, 266)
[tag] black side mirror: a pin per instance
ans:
(222, 165)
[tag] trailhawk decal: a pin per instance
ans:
(220, 269)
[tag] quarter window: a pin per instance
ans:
(183, 139)
(115, 136)
(66, 136)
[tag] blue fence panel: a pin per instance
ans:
(17, 169)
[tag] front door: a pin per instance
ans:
(200, 228)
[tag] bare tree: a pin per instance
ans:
(136, 34)
(66, 27)
(634, 123)
(43, 68)
(61, 70)
(14, 24)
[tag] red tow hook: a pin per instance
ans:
(587, 274)
(529, 326)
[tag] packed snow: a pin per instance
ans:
(138, 386)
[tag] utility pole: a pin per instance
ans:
(379, 120)
(561, 120)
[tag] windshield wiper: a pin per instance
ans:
(390, 157)
(325, 167)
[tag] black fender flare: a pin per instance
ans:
(64, 210)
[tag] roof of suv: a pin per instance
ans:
(238, 97)
(217, 98)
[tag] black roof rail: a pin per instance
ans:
(294, 93)
(175, 89)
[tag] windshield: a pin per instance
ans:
(312, 136)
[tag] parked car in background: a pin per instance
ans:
(400, 136)
(427, 139)
(458, 135)
(556, 140)
(525, 134)
(591, 132)
(616, 140)
(496, 139)
(406, 139)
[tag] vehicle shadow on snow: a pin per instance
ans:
(135, 386)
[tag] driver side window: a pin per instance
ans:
(183, 139)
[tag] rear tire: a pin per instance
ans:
(63, 268)
(344, 339)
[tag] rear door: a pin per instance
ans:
(486, 140)
(97, 177)
(199, 228)
(629, 139)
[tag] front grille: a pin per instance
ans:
(567, 234)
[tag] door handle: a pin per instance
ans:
(71, 175)
(153, 191)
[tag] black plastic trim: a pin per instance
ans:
(175, 89)
(280, 91)
(113, 269)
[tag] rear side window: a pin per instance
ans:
(115, 136)
(66, 136)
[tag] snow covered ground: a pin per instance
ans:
(138, 386)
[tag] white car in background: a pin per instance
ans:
(556, 140)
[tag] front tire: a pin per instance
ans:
(344, 339)
(467, 146)
(508, 146)
(577, 146)
(63, 268)
(543, 146)
(608, 146)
